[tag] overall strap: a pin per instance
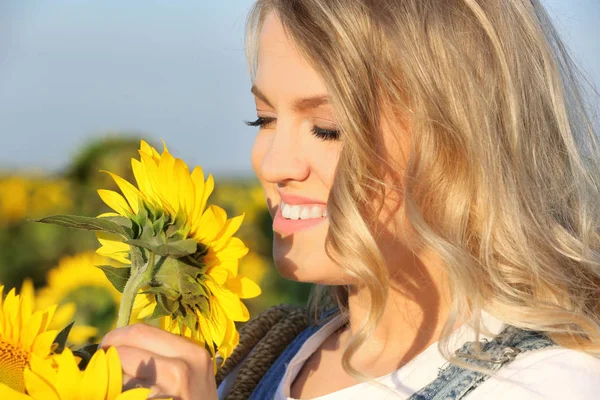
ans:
(269, 383)
(454, 382)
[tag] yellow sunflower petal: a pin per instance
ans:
(219, 274)
(68, 376)
(29, 335)
(43, 342)
(109, 214)
(27, 292)
(217, 324)
(233, 248)
(9, 393)
(234, 308)
(231, 227)
(244, 287)
(211, 223)
(94, 383)
(186, 195)
(149, 150)
(134, 394)
(132, 195)
(115, 375)
(146, 311)
(115, 201)
(38, 387)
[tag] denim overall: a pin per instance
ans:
(453, 382)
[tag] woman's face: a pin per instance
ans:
(294, 156)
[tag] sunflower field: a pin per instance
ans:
(53, 276)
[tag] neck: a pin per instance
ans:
(414, 313)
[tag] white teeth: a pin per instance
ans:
(305, 213)
(296, 212)
(285, 210)
(315, 212)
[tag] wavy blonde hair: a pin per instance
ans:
(506, 162)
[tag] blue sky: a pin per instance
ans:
(72, 70)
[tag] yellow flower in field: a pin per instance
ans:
(254, 266)
(197, 295)
(23, 334)
(83, 294)
(62, 379)
(14, 198)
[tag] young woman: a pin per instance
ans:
(430, 165)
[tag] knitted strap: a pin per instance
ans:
(268, 334)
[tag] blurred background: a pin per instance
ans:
(82, 82)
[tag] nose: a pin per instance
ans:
(284, 159)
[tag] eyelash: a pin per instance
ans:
(323, 134)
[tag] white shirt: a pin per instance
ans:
(551, 373)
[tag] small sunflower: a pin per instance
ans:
(83, 294)
(62, 380)
(197, 294)
(23, 334)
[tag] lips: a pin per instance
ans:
(285, 226)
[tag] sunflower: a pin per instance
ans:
(62, 380)
(23, 334)
(84, 295)
(196, 295)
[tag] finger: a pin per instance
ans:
(131, 382)
(162, 374)
(158, 341)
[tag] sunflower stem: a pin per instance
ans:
(140, 277)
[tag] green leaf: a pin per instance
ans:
(61, 339)
(86, 223)
(118, 276)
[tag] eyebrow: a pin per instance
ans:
(302, 104)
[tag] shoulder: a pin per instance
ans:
(551, 373)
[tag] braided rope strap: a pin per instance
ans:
(268, 334)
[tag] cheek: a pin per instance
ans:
(259, 150)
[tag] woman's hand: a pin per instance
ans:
(172, 366)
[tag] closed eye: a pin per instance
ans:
(323, 134)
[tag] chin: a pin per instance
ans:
(305, 263)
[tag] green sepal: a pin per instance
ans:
(190, 319)
(60, 341)
(160, 310)
(202, 306)
(161, 290)
(118, 276)
(176, 249)
(178, 228)
(124, 222)
(85, 353)
(191, 285)
(86, 223)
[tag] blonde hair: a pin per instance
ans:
(506, 163)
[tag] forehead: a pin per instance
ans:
(281, 68)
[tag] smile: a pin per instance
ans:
(307, 211)
(292, 218)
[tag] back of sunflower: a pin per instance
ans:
(177, 266)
